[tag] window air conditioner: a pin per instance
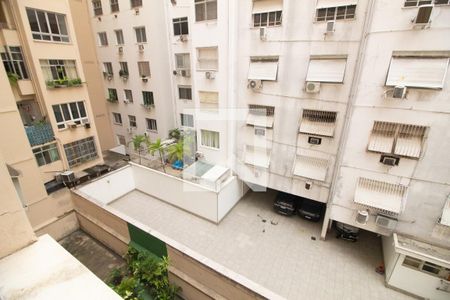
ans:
(141, 48)
(68, 176)
(312, 87)
(389, 160)
(72, 125)
(126, 101)
(210, 75)
(183, 38)
(314, 140)
(136, 11)
(186, 73)
(120, 49)
(362, 216)
(423, 16)
(260, 131)
(330, 26)
(385, 222)
(255, 84)
(399, 92)
(87, 125)
(263, 33)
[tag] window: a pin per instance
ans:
(318, 122)
(46, 154)
(128, 95)
(330, 70)
(414, 3)
(117, 118)
(208, 99)
(267, 19)
(419, 72)
(144, 68)
(132, 120)
(136, 3)
(185, 92)
(80, 151)
(260, 116)
(123, 69)
(119, 37)
(107, 68)
(182, 61)
(147, 98)
(205, 10)
(399, 139)
(57, 69)
(441, 2)
(112, 95)
(102, 39)
(13, 61)
(427, 267)
(151, 124)
(412, 262)
(335, 13)
(114, 5)
(263, 68)
(47, 26)
(210, 138)
(121, 139)
(97, 6)
(66, 113)
(187, 120)
(207, 58)
(180, 26)
(141, 37)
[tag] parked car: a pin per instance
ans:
(347, 232)
(310, 210)
(285, 204)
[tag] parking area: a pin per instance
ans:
(283, 254)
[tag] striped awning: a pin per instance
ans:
(383, 196)
(311, 167)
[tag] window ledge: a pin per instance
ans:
(209, 148)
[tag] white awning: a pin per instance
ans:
(326, 70)
(208, 97)
(408, 146)
(382, 137)
(318, 122)
(260, 120)
(417, 72)
(445, 219)
(261, 6)
(256, 156)
(383, 196)
(311, 167)
(263, 70)
(335, 3)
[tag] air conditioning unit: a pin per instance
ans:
(120, 50)
(330, 26)
(362, 216)
(68, 177)
(263, 33)
(389, 160)
(385, 222)
(141, 48)
(312, 87)
(399, 92)
(308, 185)
(210, 75)
(72, 125)
(126, 101)
(261, 131)
(136, 11)
(423, 16)
(314, 140)
(183, 38)
(255, 84)
(186, 73)
(85, 121)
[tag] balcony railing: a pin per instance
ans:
(39, 134)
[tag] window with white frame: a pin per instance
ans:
(141, 36)
(47, 26)
(144, 68)
(117, 118)
(132, 121)
(419, 72)
(210, 138)
(325, 12)
(57, 69)
(151, 124)
(147, 98)
(119, 37)
(13, 62)
(135, 3)
(318, 122)
(326, 69)
(207, 58)
(208, 99)
(108, 68)
(123, 68)
(263, 68)
(180, 26)
(80, 151)
(114, 5)
(415, 3)
(267, 13)
(46, 154)
(187, 120)
(398, 139)
(102, 39)
(97, 6)
(183, 61)
(205, 10)
(185, 92)
(68, 113)
(128, 95)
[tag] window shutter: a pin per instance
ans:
(326, 70)
(263, 70)
(262, 6)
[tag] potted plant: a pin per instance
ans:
(123, 74)
(13, 77)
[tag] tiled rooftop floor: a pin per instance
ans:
(281, 257)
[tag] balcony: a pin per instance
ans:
(39, 134)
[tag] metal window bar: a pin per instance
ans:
(261, 109)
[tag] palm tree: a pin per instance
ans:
(157, 146)
(137, 141)
(178, 151)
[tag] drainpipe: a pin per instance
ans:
(348, 113)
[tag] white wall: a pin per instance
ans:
(230, 193)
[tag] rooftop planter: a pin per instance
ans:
(63, 83)
(39, 133)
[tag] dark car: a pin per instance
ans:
(310, 210)
(285, 204)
